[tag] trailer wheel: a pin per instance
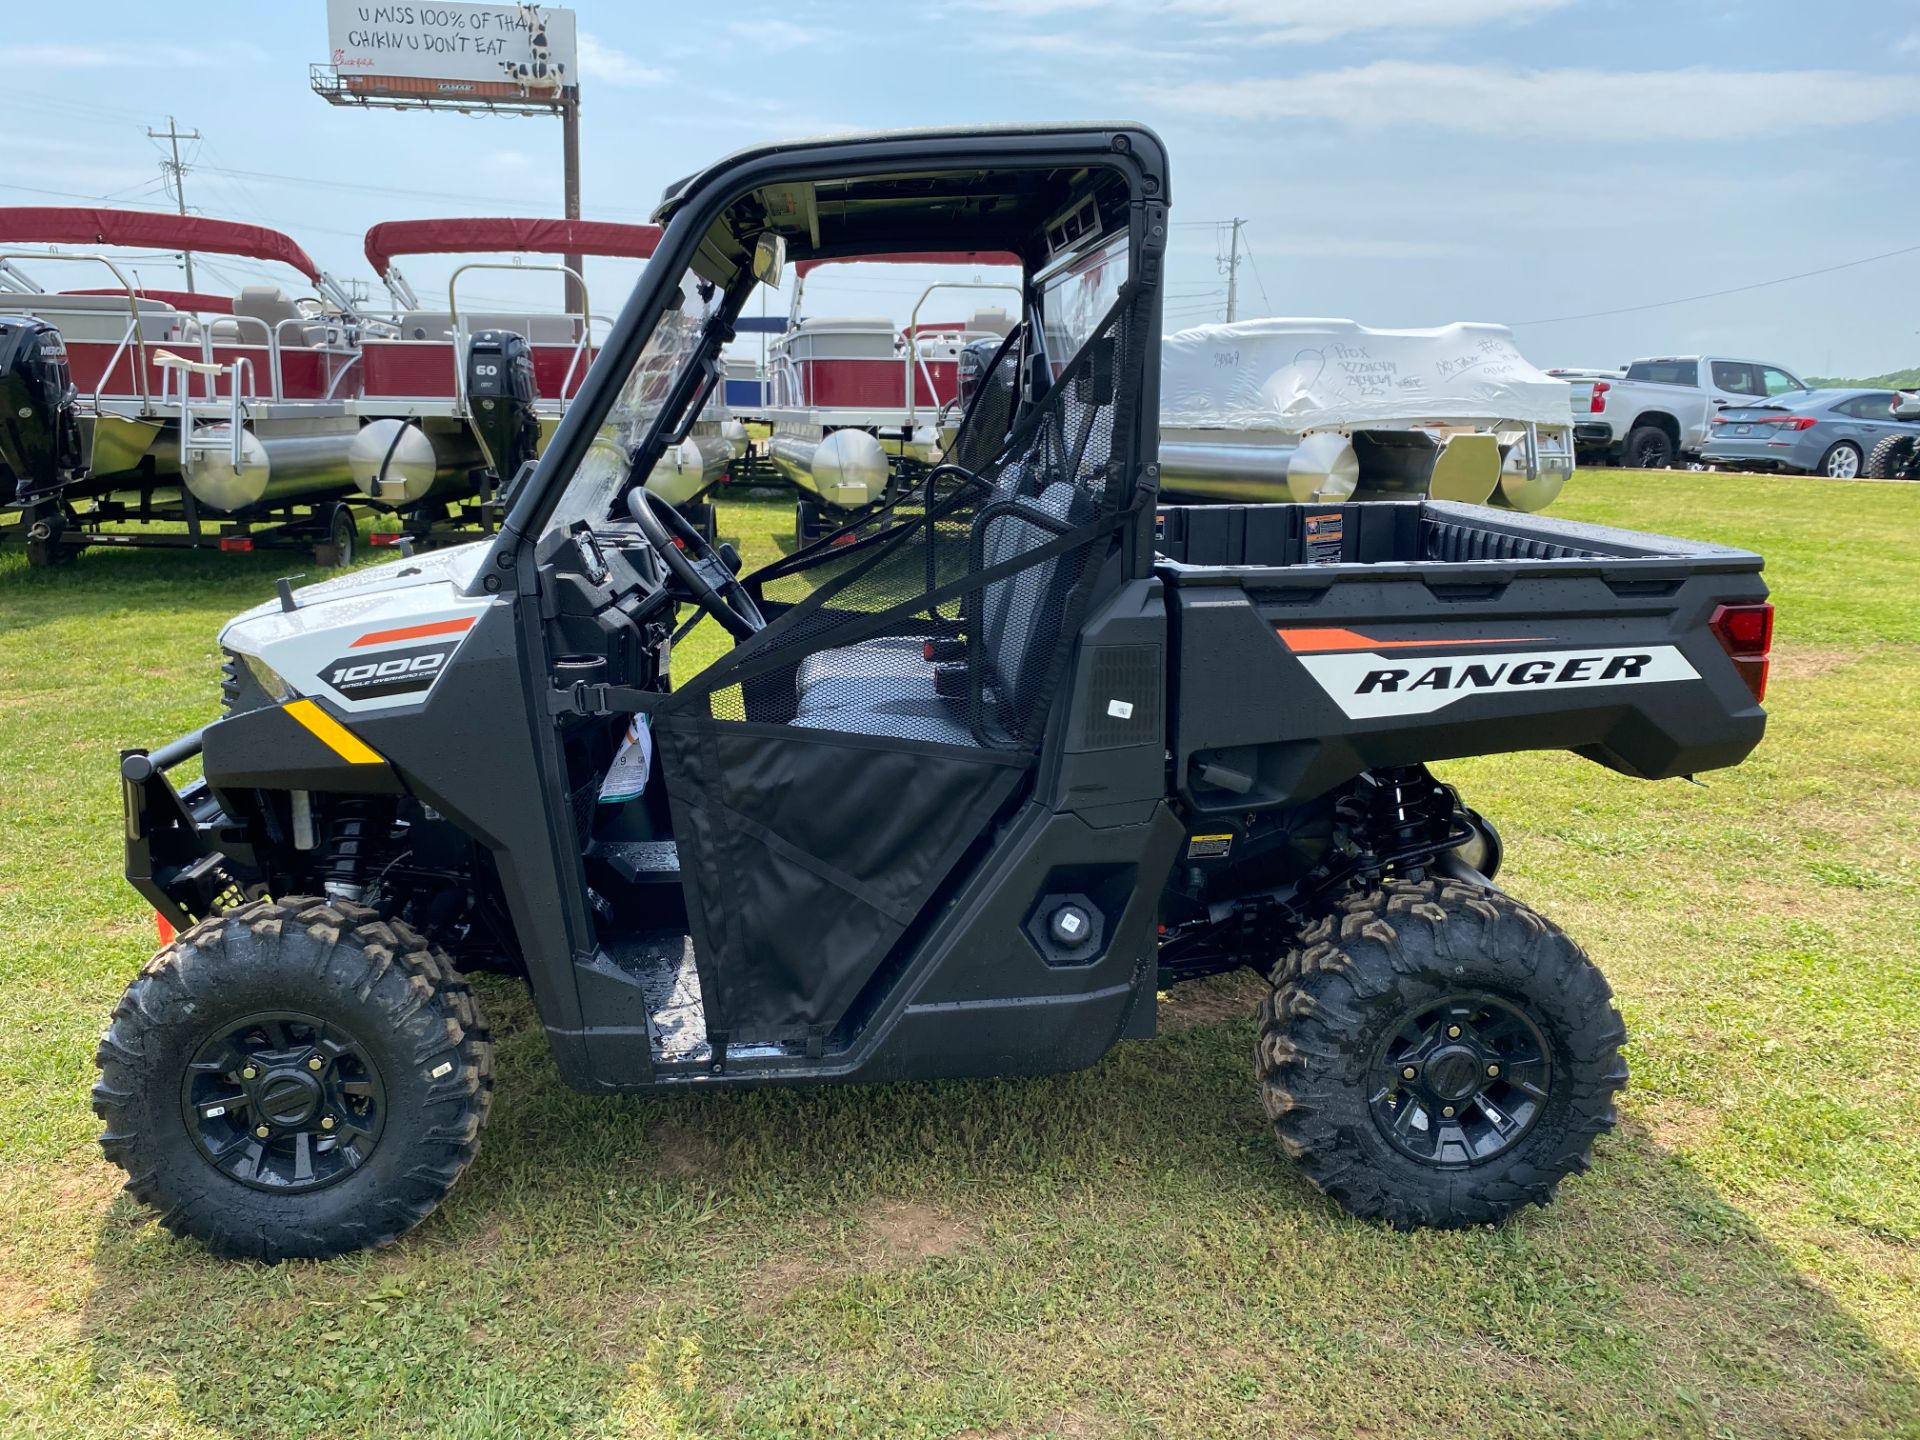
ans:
(1436, 1054)
(806, 522)
(343, 532)
(294, 1079)
(1648, 447)
(1890, 458)
(43, 543)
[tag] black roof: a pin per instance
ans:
(931, 147)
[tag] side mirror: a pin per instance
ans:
(769, 259)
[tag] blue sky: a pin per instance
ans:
(1399, 162)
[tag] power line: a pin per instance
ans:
(409, 192)
(1731, 290)
(1257, 280)
(62, 194)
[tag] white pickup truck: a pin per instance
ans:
(1658, 410)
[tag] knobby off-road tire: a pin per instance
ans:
(1892, 458)
(1358, 982)
(389, 1089)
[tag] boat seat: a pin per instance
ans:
(271, 306)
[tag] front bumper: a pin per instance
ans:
(185, 855)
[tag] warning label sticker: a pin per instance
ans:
(1208, 847)
(1325, 537)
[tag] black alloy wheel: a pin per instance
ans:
(283, 1101)
(1461, 1080)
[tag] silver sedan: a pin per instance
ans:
(1807, 432)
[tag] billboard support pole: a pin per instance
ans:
(570, 164)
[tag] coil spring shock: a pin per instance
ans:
(354, 833)
(1397, 819)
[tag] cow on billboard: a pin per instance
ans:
(539, 71)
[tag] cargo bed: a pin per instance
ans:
(1315, 641)
(1412, 533)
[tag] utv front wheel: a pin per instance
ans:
(294, 1079)
(1439, 1055)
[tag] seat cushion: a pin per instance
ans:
(884, 687)
(891, 657)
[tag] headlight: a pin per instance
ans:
(269, 680)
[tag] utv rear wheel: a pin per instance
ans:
(1439, 1055)
(294, 1079)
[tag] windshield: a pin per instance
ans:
(1077, 297)
(602, 475)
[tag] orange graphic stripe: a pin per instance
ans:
(1328, 637)
(416, 632)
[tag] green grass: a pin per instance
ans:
(1116, 1253)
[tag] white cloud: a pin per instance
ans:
(772, 34)
(1696, 103)
(1299, 22)
(1309, 22)
(1330, 247)
(600, 61)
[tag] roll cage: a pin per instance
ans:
(995, 189)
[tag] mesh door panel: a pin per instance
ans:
(826, 776)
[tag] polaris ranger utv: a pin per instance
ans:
(981, 774)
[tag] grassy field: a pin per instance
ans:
(1117, 1253)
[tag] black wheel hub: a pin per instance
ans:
(1460, 1080)
(283, 1101)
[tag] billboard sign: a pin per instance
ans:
(477, 51)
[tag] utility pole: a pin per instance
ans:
(1233, 268)
(178, 172)
(570, 166)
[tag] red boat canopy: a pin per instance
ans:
(150, 230)
(504, 233)
(178, 299)
(915, 257)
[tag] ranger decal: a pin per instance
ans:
(1368, 685)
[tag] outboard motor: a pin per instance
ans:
(975, 357)
(501, 392)
(39, 433)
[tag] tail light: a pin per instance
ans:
(237, 544)
(1794, 422)
(1745, 632)
(1598, 405)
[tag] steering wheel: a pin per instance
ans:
(709, 582)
